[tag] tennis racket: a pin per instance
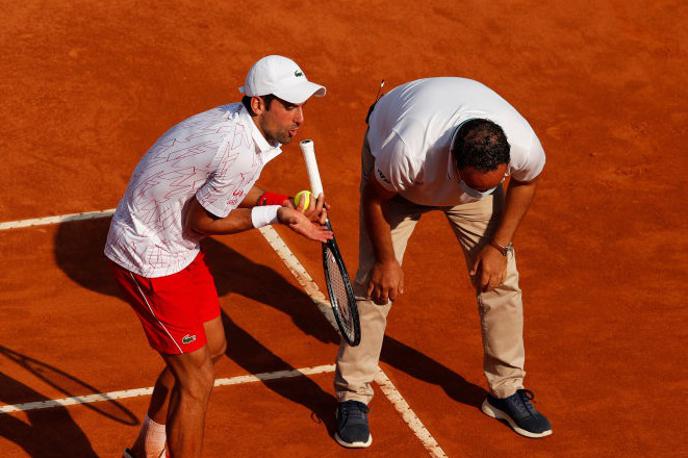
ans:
(336, 277)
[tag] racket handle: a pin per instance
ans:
(308, 150)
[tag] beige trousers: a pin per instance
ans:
(501, 309)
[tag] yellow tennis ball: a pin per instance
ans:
(305, 196)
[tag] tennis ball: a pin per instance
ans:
(306, 196)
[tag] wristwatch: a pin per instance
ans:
(505, 250)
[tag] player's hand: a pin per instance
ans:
(490, 268)
(386, 282)
(299, 223)
(317, 210)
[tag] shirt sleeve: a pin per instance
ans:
(217, 196)
(527, 166)
(395, 169)
(227, 185)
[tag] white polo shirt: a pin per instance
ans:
(410, 133)
(215, 156)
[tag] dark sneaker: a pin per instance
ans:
(352, 425)
(519, 412)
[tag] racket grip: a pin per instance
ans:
(308, 150)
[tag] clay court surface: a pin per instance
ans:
(87, 87)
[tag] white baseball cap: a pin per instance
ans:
(282, 77)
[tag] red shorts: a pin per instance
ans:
(172, 309)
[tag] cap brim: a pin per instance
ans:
(301, 92)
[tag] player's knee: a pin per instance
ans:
(194, 374)
(198, 383)
(206, 374)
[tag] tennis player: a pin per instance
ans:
(197, 180)
(444, 144)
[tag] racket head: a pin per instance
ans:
(341, 293)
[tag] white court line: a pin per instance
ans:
(137, 392)
(56, 219)
(310, 287)
(409, 415)
(387, 387)
(300, 273)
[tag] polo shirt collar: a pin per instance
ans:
(262, 144)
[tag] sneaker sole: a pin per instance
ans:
(491, 411)
(358, 444)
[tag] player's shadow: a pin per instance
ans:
(50, 431)
(234, 273)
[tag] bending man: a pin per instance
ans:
(443, 144)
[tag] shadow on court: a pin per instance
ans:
(418, 365)
(50, 430)
(234, 273)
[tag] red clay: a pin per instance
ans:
(87, 88)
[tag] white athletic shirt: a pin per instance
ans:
(215, 156)
(411, 128)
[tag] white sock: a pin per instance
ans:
(153, 436)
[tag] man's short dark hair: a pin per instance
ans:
(481, 144)
(246, 100)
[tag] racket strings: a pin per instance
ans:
(340, 293)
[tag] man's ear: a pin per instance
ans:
(257, 105)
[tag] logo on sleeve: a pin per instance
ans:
(298, 73)
(383, 177)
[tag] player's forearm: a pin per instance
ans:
(238, 220)
(518, 199)
(252, 196)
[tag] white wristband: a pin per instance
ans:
(265, 215)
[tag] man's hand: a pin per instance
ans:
(490, 265)
(299, 223)
(386, 282)
(316, 211)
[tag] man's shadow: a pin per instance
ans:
(50, 431)
(78, 251)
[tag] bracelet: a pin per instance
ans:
(264, 216)
(272, 198)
